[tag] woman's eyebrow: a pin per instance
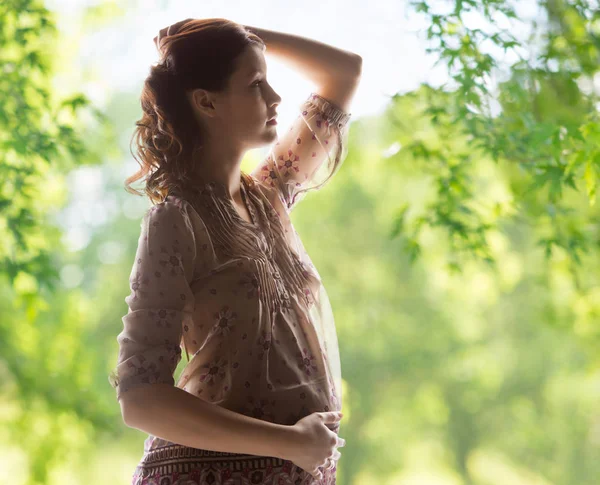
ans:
(253, 72)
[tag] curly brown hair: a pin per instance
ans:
(168, 134)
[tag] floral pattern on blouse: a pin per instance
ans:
(305, 156)
(160, 302)
(244, 300)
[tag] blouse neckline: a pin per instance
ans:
(220, 191)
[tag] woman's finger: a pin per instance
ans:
(169, 30)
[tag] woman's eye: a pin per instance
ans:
(257, 83)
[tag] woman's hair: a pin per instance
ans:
(201, 53)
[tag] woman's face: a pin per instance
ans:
(239, 115)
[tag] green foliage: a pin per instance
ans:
(42, 139)
(470, 375)
(541, 118)
(45, 369)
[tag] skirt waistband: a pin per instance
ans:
(183, 459)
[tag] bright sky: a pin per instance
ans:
(393, 57)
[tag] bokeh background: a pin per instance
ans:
(459, 242)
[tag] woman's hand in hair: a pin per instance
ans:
(169, 30)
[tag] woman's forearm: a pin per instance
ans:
(177, 416)
(318, 61)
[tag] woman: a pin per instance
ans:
(221, 271)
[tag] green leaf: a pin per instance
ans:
(591, 181)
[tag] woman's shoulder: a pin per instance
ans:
(175, 202)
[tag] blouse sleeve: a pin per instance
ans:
(160, 302)
(309, 153)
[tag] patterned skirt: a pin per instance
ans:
(182, 465)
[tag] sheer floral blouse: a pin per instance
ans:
(242, 299)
